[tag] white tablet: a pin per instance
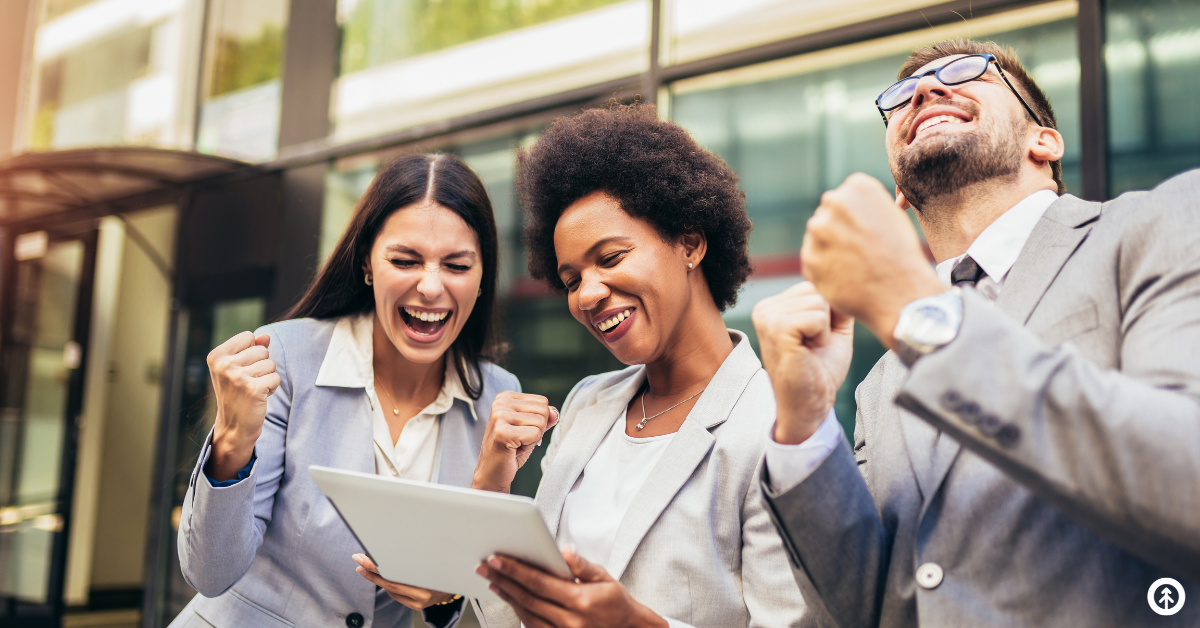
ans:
(434, 536)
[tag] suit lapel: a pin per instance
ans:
(587, 430)
(1060, 231)
(1055, 238)
(689, 447)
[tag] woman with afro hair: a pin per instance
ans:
(651, 481)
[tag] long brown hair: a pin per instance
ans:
(340, 288)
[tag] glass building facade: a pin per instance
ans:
(317, 94)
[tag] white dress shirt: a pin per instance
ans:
(349, 360)
(604, 492)
(995, 250)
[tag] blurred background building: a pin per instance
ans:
(173, 172)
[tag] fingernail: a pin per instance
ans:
(493, 562)
(360, 570)
(358, 558)
(481, 570)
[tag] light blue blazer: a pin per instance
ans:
(271, 550)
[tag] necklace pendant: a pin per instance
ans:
(396, 411)
(641, 424)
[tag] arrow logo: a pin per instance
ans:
(1166, 596)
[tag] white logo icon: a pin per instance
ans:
(1166, 596)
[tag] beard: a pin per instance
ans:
(943, 165)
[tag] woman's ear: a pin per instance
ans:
(366, 268)
(694, 245)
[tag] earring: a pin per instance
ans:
(690, 265)
(368, 279)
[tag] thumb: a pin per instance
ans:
(583, 570)
(553, 418)
(840, 323)
(263, 340)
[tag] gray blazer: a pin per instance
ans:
(698, 546)
(1041, 469)
(271, 550)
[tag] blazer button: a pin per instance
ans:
(355, 620)
(929, 575)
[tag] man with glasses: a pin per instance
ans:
(1029, 451)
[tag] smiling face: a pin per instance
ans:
(624, 282)
(948, 137)
(426, 272)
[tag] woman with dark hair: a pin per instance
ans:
(384, 368)
(651, 481)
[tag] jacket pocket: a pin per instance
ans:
(245, 612)
(1072, 325)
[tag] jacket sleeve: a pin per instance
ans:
(1114, 450)
(833, 535)
(768, 586)
(221, 528)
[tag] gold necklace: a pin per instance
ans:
(646, 419)
(391, 400)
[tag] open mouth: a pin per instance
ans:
(936, 120)
(611, 324)
(424, 323)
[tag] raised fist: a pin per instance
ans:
(243, 377)
(514, 428)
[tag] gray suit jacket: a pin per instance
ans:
(271, 550)
(1047, 460)
(697, 546)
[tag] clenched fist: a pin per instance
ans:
(864, 255)
(243, 377)
(514, 428)
(806, 349)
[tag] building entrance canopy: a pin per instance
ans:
(99, 180)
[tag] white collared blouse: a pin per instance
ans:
(349, 362)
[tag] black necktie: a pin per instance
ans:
(966, 272)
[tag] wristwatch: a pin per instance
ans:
(928, 324)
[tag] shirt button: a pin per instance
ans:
(929, 575)
(354, 620)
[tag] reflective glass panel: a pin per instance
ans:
(703, 28)
(406, 62)
(795, 128)
(239, 114)
(1153, 61)
(32, 429)
(108, 72)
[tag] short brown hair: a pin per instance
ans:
(657, 172)
(1009, 62)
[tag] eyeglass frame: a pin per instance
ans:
(936, 72)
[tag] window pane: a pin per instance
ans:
(107, 72)
(795, 128)
(239, 115)
(407, 62)
(703, 28)
(1153, 62)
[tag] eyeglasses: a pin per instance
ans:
(957, 72)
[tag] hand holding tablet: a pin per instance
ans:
(433, 536)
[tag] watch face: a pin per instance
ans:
(932, 326)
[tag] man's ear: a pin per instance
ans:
(695, 245)
(1048, 146)
(902, 202)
